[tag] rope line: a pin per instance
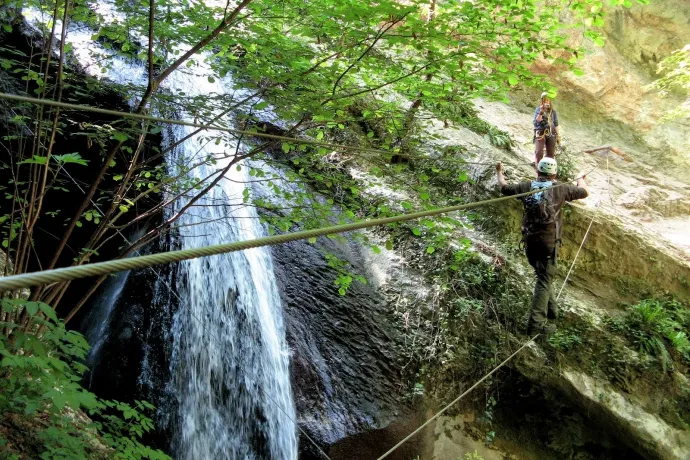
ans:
(408, 437)
(39, 278)
(442, 411)
(151, 118)
(565, 281)
(86, 108)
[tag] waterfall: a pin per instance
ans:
(97, 322)
(230, 355)
(229, 362)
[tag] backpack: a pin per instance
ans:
(541, 214)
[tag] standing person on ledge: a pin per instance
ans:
(545, 129)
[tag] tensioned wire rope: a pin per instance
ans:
(44, 277)
(503, 363)
(101, 268)
(153, 119)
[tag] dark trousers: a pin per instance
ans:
(542, 257)
(545, 142)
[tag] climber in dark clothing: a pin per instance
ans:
(541, 234)
(545, 129)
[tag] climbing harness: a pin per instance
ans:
(539, 213)
(148, 261)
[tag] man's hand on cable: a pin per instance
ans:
(581, 181)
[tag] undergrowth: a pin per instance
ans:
(43, 404)
(657, 328)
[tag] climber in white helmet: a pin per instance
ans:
(546, 131)
(541, 234)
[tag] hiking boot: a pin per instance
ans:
(549, 329)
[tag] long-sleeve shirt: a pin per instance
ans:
(560, 195)
(543, 124)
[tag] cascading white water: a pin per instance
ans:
(97, 322)
(230, 359)
(230, 354)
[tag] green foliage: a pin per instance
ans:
(658, 328)
(566, 165)
(345, 275)
(675, 76)
(41, 393)
(565, 339)
(471, 456)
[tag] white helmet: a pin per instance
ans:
(548, 166)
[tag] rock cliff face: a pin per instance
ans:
(345, 364)
(613, 88)
(638, 245)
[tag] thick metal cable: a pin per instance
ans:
(39, 278)
(496, 368)
(442, 411)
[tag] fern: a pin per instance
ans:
(659, 326)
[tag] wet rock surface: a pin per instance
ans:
(343, 366)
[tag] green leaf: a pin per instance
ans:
(124, 208)
(261, 105)
(48, 311)
(312, 240)
(286, 147)
(430, 250)
(416, 231)
(31, 308)
(79, 224)
(389, 245)
(120, 137)
(36, 160)
(513, 80)
(211, 79)
(71, 158)
(578, 72)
